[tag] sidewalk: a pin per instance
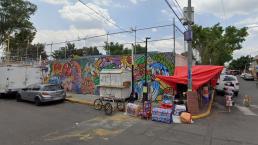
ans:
(86, 99)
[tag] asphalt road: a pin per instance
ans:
(22, 123)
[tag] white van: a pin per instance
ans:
(16, 76)
(227, 79)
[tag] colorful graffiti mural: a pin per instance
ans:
(82, 75)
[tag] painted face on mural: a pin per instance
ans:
(67, 71)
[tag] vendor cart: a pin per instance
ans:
(114, 88)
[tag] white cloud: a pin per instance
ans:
(154, 29)
(136, 1)
(49, 36)
(56, 2)
(102, 2)
(166, 46)
(231, 7)
(80, 13)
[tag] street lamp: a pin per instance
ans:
(145, 87)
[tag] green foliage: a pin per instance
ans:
(72, 52)
(15, 19)
(216, 44)
(241, 63)
(116, 49)
(139, 49)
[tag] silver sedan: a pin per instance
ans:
(40, 93)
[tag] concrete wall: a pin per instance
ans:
(82, 75)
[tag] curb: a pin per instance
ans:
(207, 113)
(72, 100)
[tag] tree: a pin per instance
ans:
(15, 16)
(64, 52)
(22, 41)
(32, 52)
(116, 49)
(241, 63)
(139, 49)
(72, 52)
(216, 44)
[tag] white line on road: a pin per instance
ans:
(245, 110)
(254, 106)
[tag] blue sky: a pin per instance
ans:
(63, 20)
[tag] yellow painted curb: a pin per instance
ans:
(72, 100)
(207, 113)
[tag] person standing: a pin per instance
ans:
(229, 92)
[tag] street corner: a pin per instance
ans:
(102, 127)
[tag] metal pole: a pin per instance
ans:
(37, 53)
(189, 48)
(65, 50)
(51, 47)
(109, 52)
(8, 49)
(133, 51)
(27, 50)
(145, 87)
(174, 33)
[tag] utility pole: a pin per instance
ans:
(188, 36)
(133, 51)
(8, 49)
(37, 52)
(174, 39)
(145, 87)
(65, 50)
(108, 45)
(27, 49)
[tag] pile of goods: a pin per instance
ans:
(165, 112)
(133, 109)
(162, 115)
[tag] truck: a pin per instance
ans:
(14, 77)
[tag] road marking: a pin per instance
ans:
(245, 110)
(254, 106)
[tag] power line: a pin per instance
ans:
(179, 5)
(114, 33)
(159, 26)
(139, 42)
(104, 17)
(179, 9)
(174, 13)
(101, 15)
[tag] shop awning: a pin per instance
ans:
(201, 74)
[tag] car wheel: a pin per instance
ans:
(37, 101)
(18, 97)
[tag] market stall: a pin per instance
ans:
(204, 79)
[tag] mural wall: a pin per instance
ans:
(82, 75)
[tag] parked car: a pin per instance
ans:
(248, 77)
(227, 79)
(40, 93)
(243, 75)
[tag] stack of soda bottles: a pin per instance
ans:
(162, 115)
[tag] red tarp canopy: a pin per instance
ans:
(201, 74)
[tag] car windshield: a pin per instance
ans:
(228, 78)
(52, 88)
